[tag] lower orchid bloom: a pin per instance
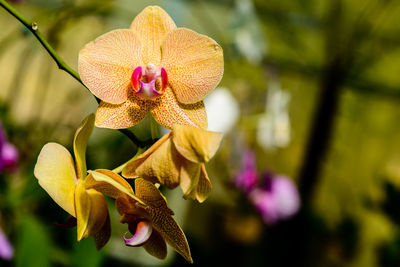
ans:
(178, 159)
(65, 181)
(6, 249)
(145, 211)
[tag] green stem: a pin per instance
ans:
(121, 167)
(33, 27)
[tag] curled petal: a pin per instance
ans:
(196, 145)
(151, 26)
(142, 234)
(123, 115)
(81, 138)
(204, 186)
(168, 112)
(106, 65)
(194, 63)
(55, 172)
(190, 175)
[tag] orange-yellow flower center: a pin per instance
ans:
(149, 83)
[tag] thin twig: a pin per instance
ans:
(34, 29)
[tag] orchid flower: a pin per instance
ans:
(145, 211)
(178, 158)
(64, 179)
(151, 67)
(8, 153)
(6, 249)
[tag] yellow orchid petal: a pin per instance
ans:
(55, 172)
(106, 65)
(91, 211)
(194, 64)
(161, 166)
(170, 231)
(103, 235)
(151, 26)
(81, 138)
(204, 186)
(167, 111)
(156, 246)
(190, 175)
(162, 221)
(151, 196)
(123, 115)
(196, 145)
(109, 183)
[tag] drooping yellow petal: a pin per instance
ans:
(161, 218)
(161, 166)
(81, 138)
(156, 246)
(194, 64)
(56, 174)
(123, 115)
(91, 211)
(106, 65)
(204, 186)
(196, 145)
(167, 111)
(151, 26)
(103, 235)
(190, 175)
(109, 183)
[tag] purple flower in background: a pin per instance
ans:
(247, 178)
(6, 250)
(8, 153)
(277, 200)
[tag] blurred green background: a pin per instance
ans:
(336, 133)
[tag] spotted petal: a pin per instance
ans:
(168, 112)
(123, 115)
(194, 64)
(56, 174)
(156, 246)
(106, 65)
(151, 26)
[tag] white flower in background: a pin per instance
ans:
(222, 110)
(248, 33)
(273, 129)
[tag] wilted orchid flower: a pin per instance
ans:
(178, 159)
(247, 178)
(65, 181)
(277, 200)
(6, 250)
(151, 67)
(8, 153)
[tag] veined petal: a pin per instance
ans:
(161, 166)
(123, 115)
(151, 196)
(196, 145)
(81, 138)
(161, 218)
(204, 186)
(56, 174)
(168, 112)
(190, 175)
(156, 245)
(151, 26)
(106, 64)
(109, 183)
(91, 211)
(194, 64)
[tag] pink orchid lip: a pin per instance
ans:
(142, 234)
(144, 81)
